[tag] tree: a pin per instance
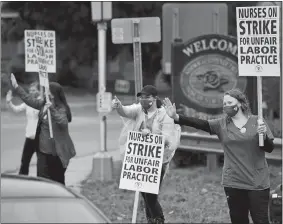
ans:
(73, 26)
(77, 34)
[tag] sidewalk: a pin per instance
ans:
(78, 170)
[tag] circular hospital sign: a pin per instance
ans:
(211, 69)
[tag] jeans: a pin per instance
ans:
(28, 151)
(153, 209)
(50, 167)
(241, 202)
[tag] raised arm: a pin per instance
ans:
(183, 120)
(167, 129)
(28, 99)
(130, 111)
(193, 122)
(15, 108)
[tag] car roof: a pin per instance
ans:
(15, 186)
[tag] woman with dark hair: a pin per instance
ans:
(53, 155)
(245, 174)
(149, 116)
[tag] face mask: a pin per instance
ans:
(231, 111)
(146, 104)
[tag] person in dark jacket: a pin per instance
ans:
(53, 155)
(245, 174)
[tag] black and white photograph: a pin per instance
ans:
(141, 112)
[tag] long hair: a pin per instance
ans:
(158, 102)
(242, 98)
(59, 98)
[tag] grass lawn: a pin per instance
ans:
(188, 195)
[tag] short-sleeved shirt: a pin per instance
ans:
(245, 166)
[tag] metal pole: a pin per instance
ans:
(102, 27)
(138, 86)
(137, 56)
(259, 105)
(176, 29)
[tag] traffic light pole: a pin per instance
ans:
(102, 28)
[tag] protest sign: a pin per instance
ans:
(142, 163)
(41, 60)
(258, 41)
(42, 70)
(49, 46)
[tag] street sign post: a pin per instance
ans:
(136, 31)
(102, 163)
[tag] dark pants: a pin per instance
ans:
(50, 167)
(153, 209)
(28, 151)
(241, 202)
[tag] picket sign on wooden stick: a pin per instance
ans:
(259, 46)
(137, 193)
(141, 169)
(259, 106)
(135, 209)
(43, 74)
(48, 113)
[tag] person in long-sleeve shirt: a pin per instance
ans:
(245, 174)
(32, 119)
(53, 155)
(148, 116)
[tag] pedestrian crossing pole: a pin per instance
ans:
(102, 161)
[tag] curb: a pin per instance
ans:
(78, 171)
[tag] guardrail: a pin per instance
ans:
(211, 146)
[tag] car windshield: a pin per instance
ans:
(56, 210)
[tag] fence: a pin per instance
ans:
(212, 147)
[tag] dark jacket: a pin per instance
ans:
(61, 144)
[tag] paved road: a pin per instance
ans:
(84, 131)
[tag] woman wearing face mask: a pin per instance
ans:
(32, 119)
(245, 174)
(53, 155)
(148, 116)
